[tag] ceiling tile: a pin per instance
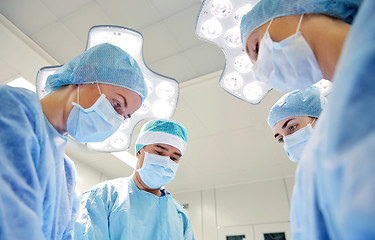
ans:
(83, 19)
(130, 13)
(206, 58)
(216, 109)
(167, 8)
(30, 16)
(6, 72)
(186, 116)
(158, 43)
(63, 8)
(182, 27)
(176, 66)
(59, 42)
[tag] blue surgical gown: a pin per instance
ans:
(118, 209)
(307, 222)
(343, 152)
(37, 183)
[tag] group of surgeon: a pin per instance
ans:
(292, 44)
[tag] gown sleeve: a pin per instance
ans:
(21, 192)
(92, 222)
(188, 231)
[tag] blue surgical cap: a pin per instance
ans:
(267, 10)
(162, 131)
(104, 63)
(309, 102)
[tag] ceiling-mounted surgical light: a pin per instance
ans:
(219, 23)
(162, 96)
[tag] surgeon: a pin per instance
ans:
(295, 43)
(88, 98)
(137, 207)
(341, 147)
(292, 119)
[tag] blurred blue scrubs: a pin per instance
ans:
(37, 182)
(117, 209)
(343, 143)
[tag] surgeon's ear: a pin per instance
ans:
(138, 153)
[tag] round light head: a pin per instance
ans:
(211, 28)
(221, 8)
(232, 37)
(253, 91)
(233, 81)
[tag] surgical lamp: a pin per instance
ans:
(162, 96)
(219, 22)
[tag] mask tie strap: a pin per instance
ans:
(78, 95)
(299, 24)
(313, 122)
(99, 89)
(269, 25)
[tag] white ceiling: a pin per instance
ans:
(229, 140)
(171, 47)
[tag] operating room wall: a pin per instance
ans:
(246, 209)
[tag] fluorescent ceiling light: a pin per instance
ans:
(22, 83)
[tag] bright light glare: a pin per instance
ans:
(253, 91)
(211, 28)
(22, 83)
(127, 158)
(118, 140)
(232, 37)
(144, 108)
(243, 64)
(165, 90)
(233, 81)
(221, 8)
(240, 13)
(161, 109)
(325, 86)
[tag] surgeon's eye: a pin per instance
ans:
(117, 106)
(158, 152)
(174, 159)
(280, 140)
(293, 128)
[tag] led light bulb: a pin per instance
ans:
(211, 28)
(240, 13)
(165, 90)
(253, 91)
(233, 81)
(221, 8)
(243, 64)
(162, 109)
(144, 108)
(118, 140)
(232, 37)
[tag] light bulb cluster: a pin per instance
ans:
(219, 22)
(162, 96)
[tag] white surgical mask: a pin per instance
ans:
(294, 144)
(94, 124)
(157, 170)
(287, 65)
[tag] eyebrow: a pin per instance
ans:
(284, 126)
(165, 149)
(125, 102)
